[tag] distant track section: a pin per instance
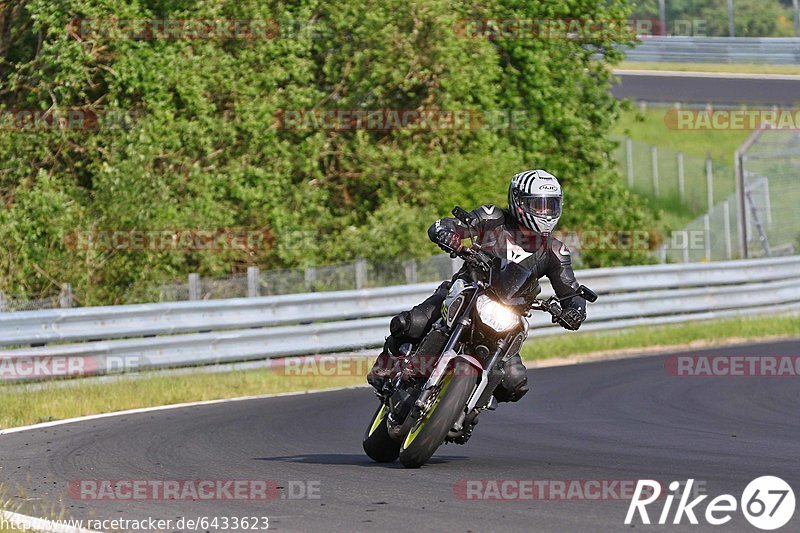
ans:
(707, 87)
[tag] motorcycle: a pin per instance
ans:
(448, 379)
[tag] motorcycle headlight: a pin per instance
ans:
(495, 315)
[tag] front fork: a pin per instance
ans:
(448, 356)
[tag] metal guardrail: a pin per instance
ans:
(681, 49)
(209, 332)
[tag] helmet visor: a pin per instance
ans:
(543, 206)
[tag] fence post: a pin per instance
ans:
(731, 30)
(710, 181)
(686, 240)
(411, 271)
(310, 276)
(253, 285)
(726, 215)
(629, 161)
(707, 236)
(65, 297)
(194, 286)
(654, 161)
(681, 178)
(361, 273)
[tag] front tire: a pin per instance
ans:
(428, 434)
(378, 445)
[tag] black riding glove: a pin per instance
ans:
(448, 241)
(571, 319)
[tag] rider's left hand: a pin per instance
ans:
(571, 319)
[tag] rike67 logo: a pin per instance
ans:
(767, 503)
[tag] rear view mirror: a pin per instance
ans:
(587, 294)
(462, 215)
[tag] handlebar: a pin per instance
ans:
(474, 257)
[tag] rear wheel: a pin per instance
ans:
(430, 431)
(378, 445)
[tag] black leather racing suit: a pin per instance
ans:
(499, 234)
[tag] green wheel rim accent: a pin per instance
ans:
(378, 419)
(415, 431)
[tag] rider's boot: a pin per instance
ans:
(385, 365)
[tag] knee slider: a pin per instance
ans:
(418, 322)
(399, 324)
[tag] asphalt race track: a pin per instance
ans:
(618, 420)
(714, 88)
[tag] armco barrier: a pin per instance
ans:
(681, 49)
(208, 332)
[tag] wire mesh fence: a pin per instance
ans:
(772, 193)
(358, 274)
(11, 303)
(670, 175)
(765, 207)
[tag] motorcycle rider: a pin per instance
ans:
(522, 233)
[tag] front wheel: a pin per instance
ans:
(378, 445)
(430, 431)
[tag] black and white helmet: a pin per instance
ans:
(534, 198)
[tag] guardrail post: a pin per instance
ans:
(629, 161)
(707, 236)
(681, 178)
(654, 161)
(194, 286)
(411, 270)
(726, 215)
(710, 181)
(361, 273)
(253, 285)
(65, 297)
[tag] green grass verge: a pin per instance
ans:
(711, 67)
(21, 405)
(654, 336)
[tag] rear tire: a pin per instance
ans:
(378, 445)
(424, 439)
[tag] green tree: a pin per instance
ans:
(189, 135)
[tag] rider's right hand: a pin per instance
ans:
(449, 241)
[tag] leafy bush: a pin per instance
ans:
(188, 135)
